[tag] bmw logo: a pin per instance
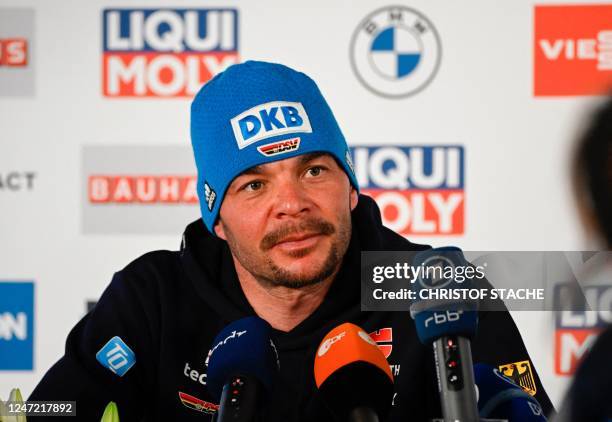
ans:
(395, 52)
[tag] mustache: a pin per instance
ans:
(309, 226)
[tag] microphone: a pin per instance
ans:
(353, 375)
(448, 325)
(500, 398)
(242, 365)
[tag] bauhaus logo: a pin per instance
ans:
(16, 325)
(572, 50)
(125, 193)
(420, 189)
(166, 52)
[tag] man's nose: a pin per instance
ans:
(291, 199)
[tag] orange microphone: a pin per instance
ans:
(353, 375)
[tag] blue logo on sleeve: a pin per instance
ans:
(116, 356)
(16, 325)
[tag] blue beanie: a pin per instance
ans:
(255, 113)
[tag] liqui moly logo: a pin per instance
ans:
(419, 189)
(577, 329)
(572, 49)
(165, 52)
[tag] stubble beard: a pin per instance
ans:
(268, 273)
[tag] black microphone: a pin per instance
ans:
(242, 365)
(353, 375)
(448, 324)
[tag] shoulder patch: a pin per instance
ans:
(116, 356)
(522, 375)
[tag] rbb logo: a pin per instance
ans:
(419, 189)
(16, 325)
(268, 120)
(116, 356)
(576, 331)
(439, 318)
(573, 59)
(106, 189)
(14, 52)
(384, 340)
(166, 52)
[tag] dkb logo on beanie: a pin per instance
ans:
(268, 120)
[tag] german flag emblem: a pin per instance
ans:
(197, 404)
(521, 374)
(281, 147)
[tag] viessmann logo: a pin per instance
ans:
(573, 50)
(419, 189)
(166, 52)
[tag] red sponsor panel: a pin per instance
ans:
(571, 345)
(572, 50)
(384, 340)
(421, 212)
(151, 74)
(14, 52)
(144, 189)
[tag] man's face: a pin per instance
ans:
(288, 223)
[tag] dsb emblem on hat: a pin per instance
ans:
(267, 120)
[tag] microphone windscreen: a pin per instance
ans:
(244, 347)
(437, 317)
(431, 325)
(351, 371)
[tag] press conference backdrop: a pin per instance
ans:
(461, 117)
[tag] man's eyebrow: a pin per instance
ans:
(252, 170)
(306, 158)
(303, 160)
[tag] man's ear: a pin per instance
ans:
(354, 198)
(219, 231)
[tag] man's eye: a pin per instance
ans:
(253, 186)
(315, 171)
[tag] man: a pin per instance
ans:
(281, 234)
